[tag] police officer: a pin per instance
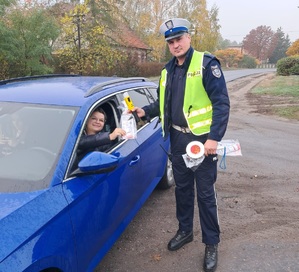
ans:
(193, 105)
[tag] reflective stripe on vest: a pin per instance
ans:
(197, 106)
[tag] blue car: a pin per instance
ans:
(58, 213)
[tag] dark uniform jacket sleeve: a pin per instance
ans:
(215, 86)
(153, 109)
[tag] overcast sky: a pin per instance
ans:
(237, 18)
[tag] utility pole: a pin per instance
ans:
(78, 19)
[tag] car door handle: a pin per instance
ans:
(134, 160)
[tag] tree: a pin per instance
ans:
(84, 47)
(223, 44)
(26, 39)
(146, 16)
(229, 57)
(260, 42)
(283, 43)
(4, 4)
(88, 43)
(293, 50)
(204, 22)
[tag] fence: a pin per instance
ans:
(266, 65)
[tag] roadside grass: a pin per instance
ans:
(291, 112)
(285, 93)
(279, 85)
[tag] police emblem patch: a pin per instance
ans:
(216, 71)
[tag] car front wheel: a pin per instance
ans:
(167, 180)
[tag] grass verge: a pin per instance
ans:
(285, 93)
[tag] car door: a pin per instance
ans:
(153, 148)
(101, 205)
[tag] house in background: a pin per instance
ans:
(119, 35)
(127, 40)
(238, 48)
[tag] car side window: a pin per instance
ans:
(140, 98)
(111, 115)
(88, 143)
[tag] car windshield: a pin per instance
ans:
(31, 138)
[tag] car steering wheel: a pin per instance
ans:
(5, 149)
(43, 150)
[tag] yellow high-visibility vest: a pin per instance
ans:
(197, 107)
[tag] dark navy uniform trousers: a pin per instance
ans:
(204, 177)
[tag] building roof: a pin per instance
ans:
(124, 36)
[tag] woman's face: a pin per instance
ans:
(95, 123)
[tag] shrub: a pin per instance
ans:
(150, 69)
(247, 62)
(127, 67)
(288, 66)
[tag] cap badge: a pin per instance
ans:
(169, 24)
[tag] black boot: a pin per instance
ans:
(211, 257)
(181, 238)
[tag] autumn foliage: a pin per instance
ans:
(290, 65)
(89, 53)
(293, 49)
(260, 42)
(87, 37)
(229, 57)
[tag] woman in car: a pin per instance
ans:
(94, 138)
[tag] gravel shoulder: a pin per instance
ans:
(258, 199)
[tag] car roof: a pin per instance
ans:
(68, 90)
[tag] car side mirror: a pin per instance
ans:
(96, 163)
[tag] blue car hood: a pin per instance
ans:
(11, 202)
(22, 216)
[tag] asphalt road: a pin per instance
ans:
(237, 74)
(258, 199)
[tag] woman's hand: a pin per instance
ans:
(117, 132)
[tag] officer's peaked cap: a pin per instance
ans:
(174, 28)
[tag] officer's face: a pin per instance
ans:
(179, 46)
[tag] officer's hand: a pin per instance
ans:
(210, 147)
(140, 112)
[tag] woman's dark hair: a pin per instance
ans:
(99, 109)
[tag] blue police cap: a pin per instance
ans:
(174, 28)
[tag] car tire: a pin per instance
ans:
(167, 180)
